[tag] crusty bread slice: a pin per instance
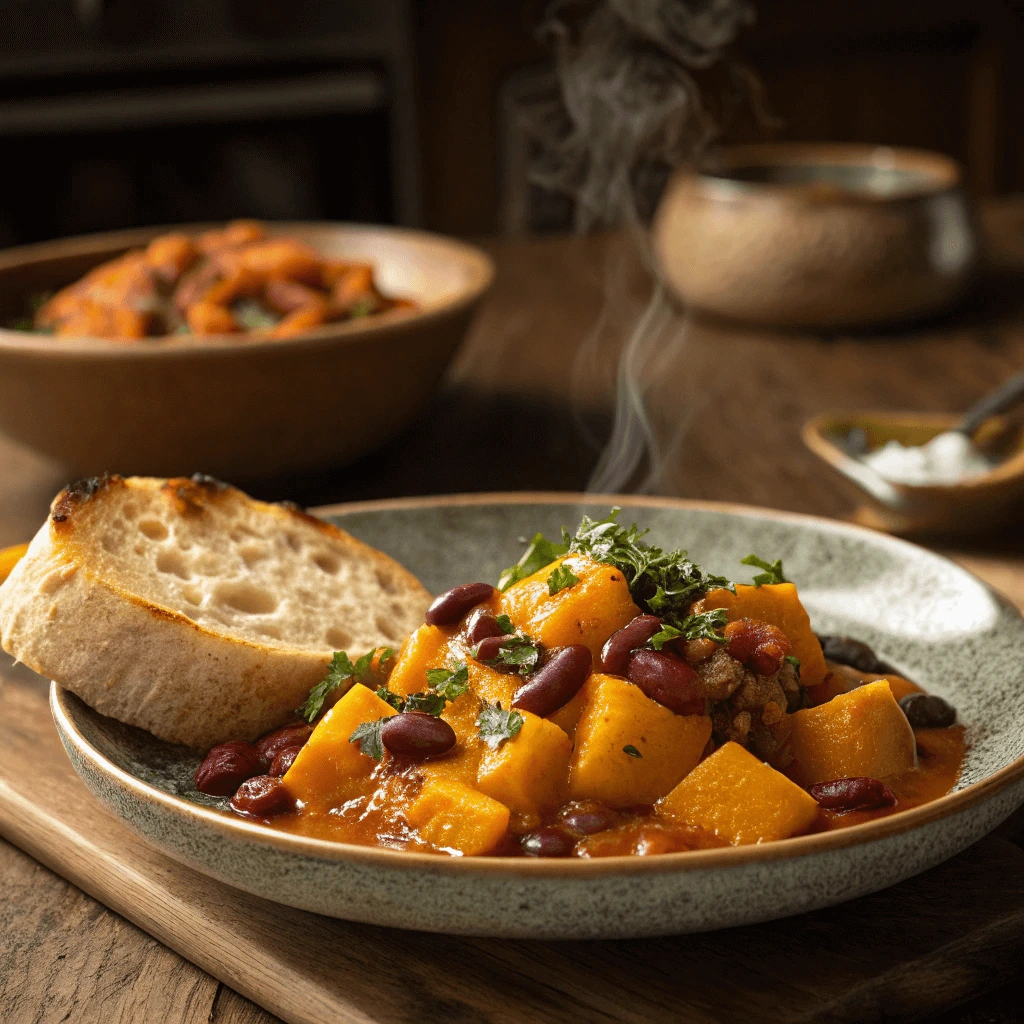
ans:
(189, 609)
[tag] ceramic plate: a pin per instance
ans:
(933, 621)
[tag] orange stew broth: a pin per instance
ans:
(370, 816)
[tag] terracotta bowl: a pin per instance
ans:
(817, 236)
(929, 618)
(962, 508)
(229, 406)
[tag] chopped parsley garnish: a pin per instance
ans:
(631, 750)
(431, 703)
(795, 662)
(561, 578)
(693, 627)
(367, 736)
(665, 582)
(541, 552)
(341, 670)
(772, 570)
(495, 725)
(390, 698)
(449, 682)
(518, 651)
(505, 624)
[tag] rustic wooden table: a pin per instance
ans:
(726, 404)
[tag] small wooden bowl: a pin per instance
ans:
(974, 504)
(236, 406)
(817, 236)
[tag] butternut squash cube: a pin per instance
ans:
(862, 732)
(567, 717)
(587, 613)
(328, 760)
(426, 648)
(491, 685)
(779, 605)
(529, 773)
(451, 816)
(737, 797)
(618, 716)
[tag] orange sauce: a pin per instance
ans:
(369, 815)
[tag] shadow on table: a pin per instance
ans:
(463, 442)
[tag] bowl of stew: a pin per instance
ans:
(846, 719)
(248, 349)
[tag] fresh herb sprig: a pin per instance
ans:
(704, 626)
(496, 725)
(449, 682)
(367, 735)
(539, 553)
(518, 652)
(665, 582)
(772, 570)
(341, 670)
(561, 578)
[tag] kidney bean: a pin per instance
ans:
(270, 745)
(226, 767)
(490, 647)
(416, 735)
(668, 680)
(482, 624)
(556, 682)
(852, 794)
(588, 821)
(453, 605)
(549, 841)
(618, 646)
(855, 653)
(262, 796)
(926, 711)
(283, 760)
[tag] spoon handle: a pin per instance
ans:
(998, 401)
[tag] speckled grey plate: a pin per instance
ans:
(934, 621)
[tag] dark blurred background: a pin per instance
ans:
(118, 113)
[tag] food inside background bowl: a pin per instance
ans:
(222, 281)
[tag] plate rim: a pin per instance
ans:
(231, 827)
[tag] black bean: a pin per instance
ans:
(556, 682)
(618, 646)
(549, 841)
(453, 605)
(855, 653)
(668, 680)
(416, 735)
(926, 711)
(490, 647)
(482, 624)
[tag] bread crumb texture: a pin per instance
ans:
(260, 572)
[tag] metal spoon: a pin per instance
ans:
(1006, 395)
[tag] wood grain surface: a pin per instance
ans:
(509, 418)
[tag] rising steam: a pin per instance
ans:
(627, 111)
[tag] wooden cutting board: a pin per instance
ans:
(921, 946)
